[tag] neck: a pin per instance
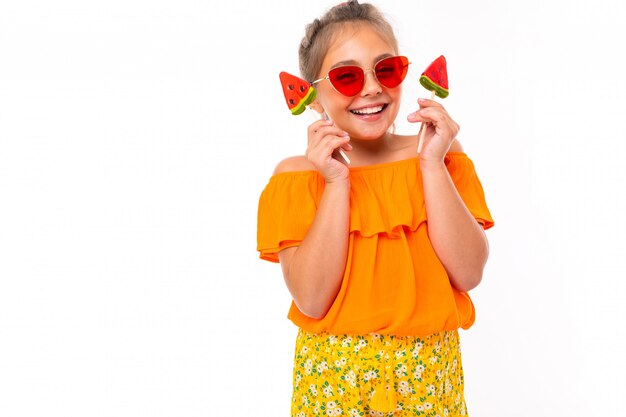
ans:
(390, 147)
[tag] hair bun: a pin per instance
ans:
(318, 33)
(347, 3)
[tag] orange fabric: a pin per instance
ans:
(393, 282)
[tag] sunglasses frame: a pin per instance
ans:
(373, 69)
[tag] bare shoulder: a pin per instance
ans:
(456, 146)
(293, 164)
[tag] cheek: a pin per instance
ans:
(396, 97)
(334, 102)
(396, 94)
(324, 97)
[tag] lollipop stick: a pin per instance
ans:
(345, 157)
(421, 139)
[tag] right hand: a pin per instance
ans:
(324, 140)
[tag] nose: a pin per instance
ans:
(370, 84)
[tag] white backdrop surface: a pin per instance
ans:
(136, 137)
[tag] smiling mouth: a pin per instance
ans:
(365, 111)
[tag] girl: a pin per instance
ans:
(378, 255)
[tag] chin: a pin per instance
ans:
(371, 132)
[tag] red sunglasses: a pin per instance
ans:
(350, 79)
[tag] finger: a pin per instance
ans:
(446, 124)
(323, 151)
(331, 130)
(429, 114)
(330, 143)
(326, 136)
(424, 102)
(315, 126)
(416, 117)
(318, 130)
(437, 115)
(442, 125)
(317, 135)
(419, 116)
(335, 142)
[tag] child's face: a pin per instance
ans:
(362, 46)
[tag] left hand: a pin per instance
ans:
(441, 130)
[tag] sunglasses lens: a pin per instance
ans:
(391, 71)
(348, 80)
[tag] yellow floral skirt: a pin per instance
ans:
(377, 375)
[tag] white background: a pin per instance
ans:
(136, 137)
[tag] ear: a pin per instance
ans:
(317, 106)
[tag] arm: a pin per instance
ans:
(314, 270)
(457, 238)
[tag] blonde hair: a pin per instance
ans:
(319, 34)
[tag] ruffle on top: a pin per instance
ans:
(387, 220)
(383, 199)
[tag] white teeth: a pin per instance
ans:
(368, 110)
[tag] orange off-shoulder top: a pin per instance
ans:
(393, 282)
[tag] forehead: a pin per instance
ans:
(359, 43)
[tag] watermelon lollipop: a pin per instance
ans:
(434, 79)
(298, 92)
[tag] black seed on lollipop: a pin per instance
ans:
(302, 88)
(292, 101)
(290, 86)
